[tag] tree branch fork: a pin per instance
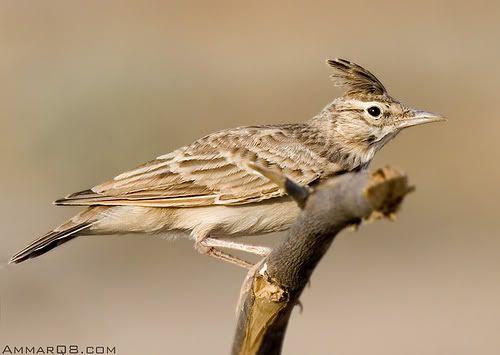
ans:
(273, 287)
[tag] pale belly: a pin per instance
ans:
(264, 217)
(258, 218)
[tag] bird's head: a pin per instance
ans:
(366, 117)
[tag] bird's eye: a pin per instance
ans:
(374, 111)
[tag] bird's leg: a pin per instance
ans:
(205, 248)
(249, 248)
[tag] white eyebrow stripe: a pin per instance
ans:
(365, 104)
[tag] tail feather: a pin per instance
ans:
(76, 226)
(49, 241)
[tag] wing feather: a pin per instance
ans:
(212, 171)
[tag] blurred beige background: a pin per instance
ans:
(92, 88)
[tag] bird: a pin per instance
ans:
(211, 189)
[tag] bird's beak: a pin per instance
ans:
(420, 117)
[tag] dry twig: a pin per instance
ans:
(273, 287)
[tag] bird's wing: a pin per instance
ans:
(212, 171)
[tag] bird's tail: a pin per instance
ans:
(76, 226)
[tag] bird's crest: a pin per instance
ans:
(355, 78)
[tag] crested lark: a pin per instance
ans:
(209, 188)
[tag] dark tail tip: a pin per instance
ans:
(30, 253)
(47, 242)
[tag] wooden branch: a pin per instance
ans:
(274, 285)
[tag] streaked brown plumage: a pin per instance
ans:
(209, 188)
